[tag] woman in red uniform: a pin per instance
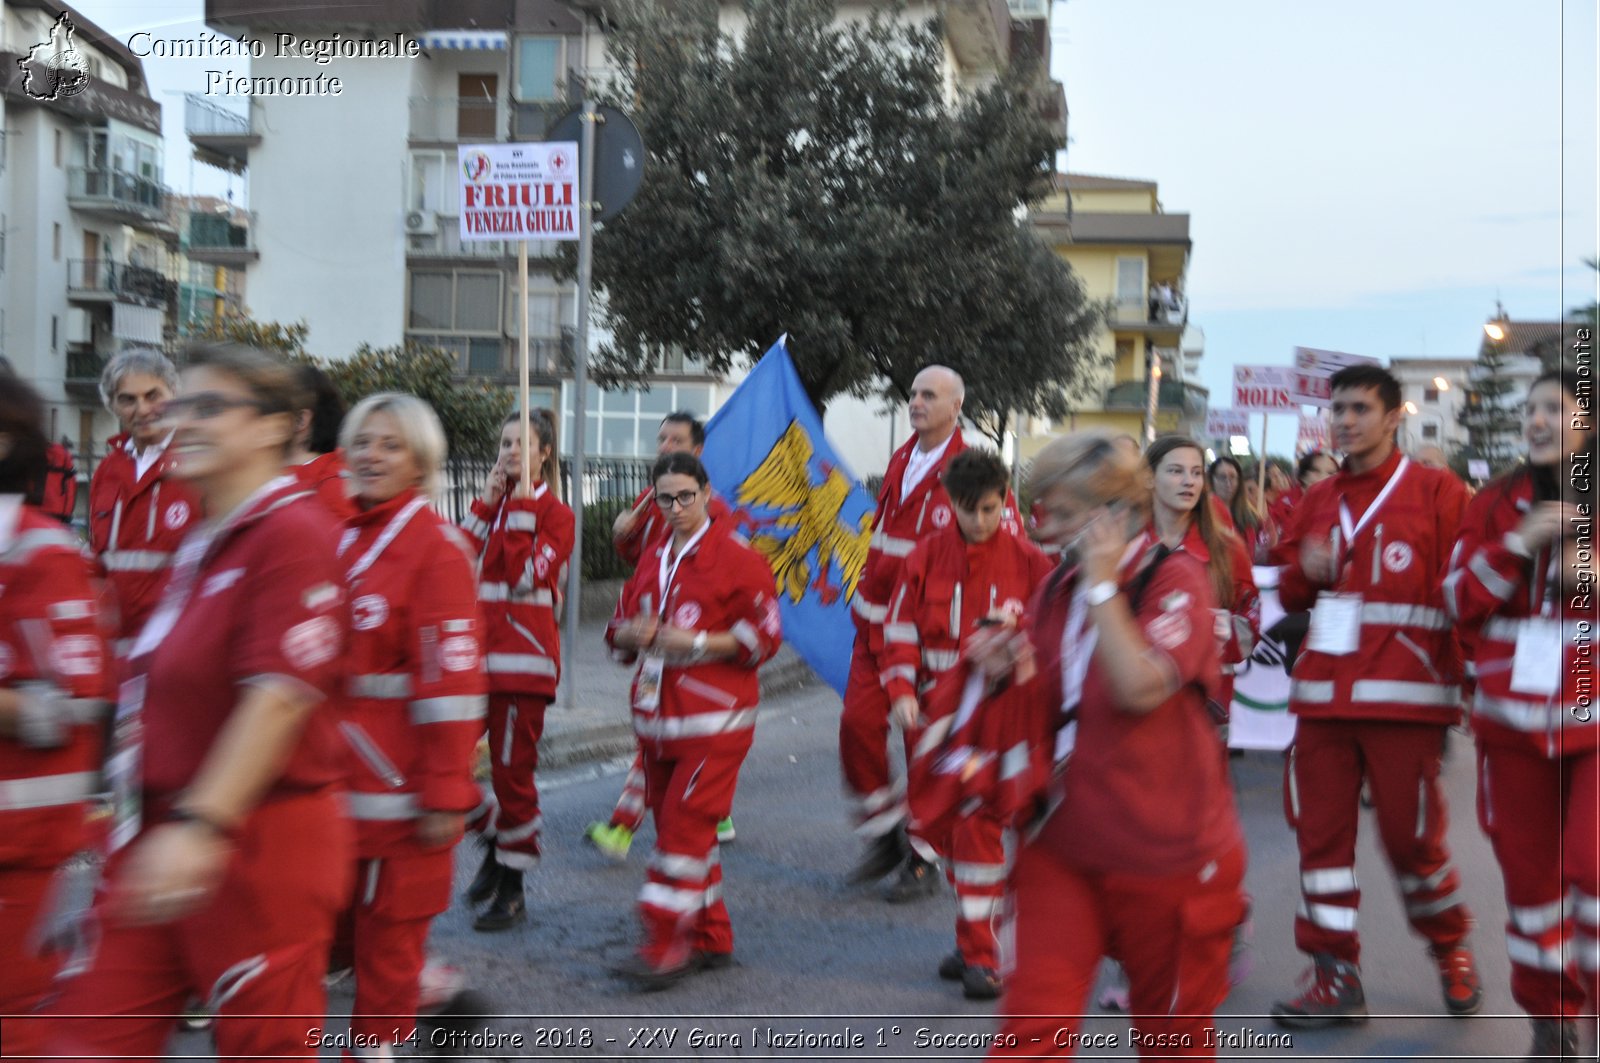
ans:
(316, 460)
(226, 761)
(522, 542)
(416, 701)
(1522, 590)
(53, 685)
(701, 615)
(1140, 856)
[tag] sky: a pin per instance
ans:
(1368, 176)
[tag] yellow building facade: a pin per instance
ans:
(1133, 256)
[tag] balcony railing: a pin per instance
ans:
(455, 118)
(123, 283)
(116, 190)
(220, 239)
(1144, 313)
(84, 365)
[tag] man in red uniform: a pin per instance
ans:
(137, 518)
(912, 504)
(631, 533)
(1375, 688)
(968, 576)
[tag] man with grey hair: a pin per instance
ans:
(137, 518)
(912, 504)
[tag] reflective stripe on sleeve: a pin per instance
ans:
(135, 560)
(395, 687)
(45, 791)
(1492, 581)
(519, 664)
(872, 614)
(501, 592)
(890, 545)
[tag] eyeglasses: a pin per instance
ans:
(204, 406)
(685, 499)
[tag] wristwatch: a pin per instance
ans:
(1101, 592)
(699, 649)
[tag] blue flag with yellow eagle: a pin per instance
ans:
(795, 501)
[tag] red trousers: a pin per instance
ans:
(681, 903)
(1322, 796)
(27, 972)
(878, 803)
(977, 869)
(630, 808)
(256, 952)
(1171, 934)
(396, 900)
(1543, 817)
(512, 820)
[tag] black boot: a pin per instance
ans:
(483, 882)
(508, 908)
(883, 854)
(916, 879)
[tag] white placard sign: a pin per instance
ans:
(1315, 368)
(1225, 424)
(1263, 388)
(519, 191)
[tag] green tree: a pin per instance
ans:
(810, 178)
(1487, 414)
(470, 410)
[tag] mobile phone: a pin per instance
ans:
(990, 621)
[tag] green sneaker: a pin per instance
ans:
(613, 842)
(725, 831)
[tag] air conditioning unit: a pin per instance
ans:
(422, 223)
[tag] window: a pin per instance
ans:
(55, 241)
(454, 301)
(58, 149)
(623, 424)
(548, 313)
(55, 331)
(1430, 431)
(476, 96)
(539, 68)
(429, 189)
(1131, 289)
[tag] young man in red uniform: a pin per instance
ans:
(53, 684)
(1376, 686)
(968, 576)
(632, 533)
(137, 516)
(912, 504)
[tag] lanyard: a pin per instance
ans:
(1351, 530)
(391, 532)
(665, 575)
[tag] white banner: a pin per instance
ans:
(1264, 388)
(1313, 433)
(1316, 367)
(519, 191)
(1259, 716)
(1225, 424)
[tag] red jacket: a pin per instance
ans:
(522, 546)
(1494, 592)
(1238, 621)
(720, 585)
(325, 475)
(134, 526)
(416, 688)
(1406, 667)
(651, 525)
(946, 586)
(48, 605)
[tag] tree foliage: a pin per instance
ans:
(1488, 413)
(810, 178)
(470, 410)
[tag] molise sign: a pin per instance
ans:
(1264, 389)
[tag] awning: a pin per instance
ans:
(136, 324)
(463, 41)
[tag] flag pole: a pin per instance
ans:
(1261, 466)
(522, 368)
(580, 359)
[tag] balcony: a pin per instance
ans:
(100, 280)
(217, 239)
(452, 119)
(84, 367)
(221, 138)
(118, 196)
(979, 32)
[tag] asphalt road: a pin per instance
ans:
(820, 966)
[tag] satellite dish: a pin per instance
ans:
(618, 156)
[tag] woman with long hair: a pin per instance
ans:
(522, 540)
(416, 705)
(1522, 592)
(700, 615)
(231, 851)
(53, 684)
(1137, 854)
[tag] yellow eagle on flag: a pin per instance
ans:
(808, 519)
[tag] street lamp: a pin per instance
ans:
(1411, 408)
(1441, 383)
(1497, 328)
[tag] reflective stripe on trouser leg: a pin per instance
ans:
(1325, 772)
(978, 872)
(390, 933)
(864, 747)
(515, 723)
(630, 808)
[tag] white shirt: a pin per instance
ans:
(144, 459)
(918, 466)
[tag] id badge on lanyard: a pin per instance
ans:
(1536, 665)
(125, 765)
(1335, 624)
